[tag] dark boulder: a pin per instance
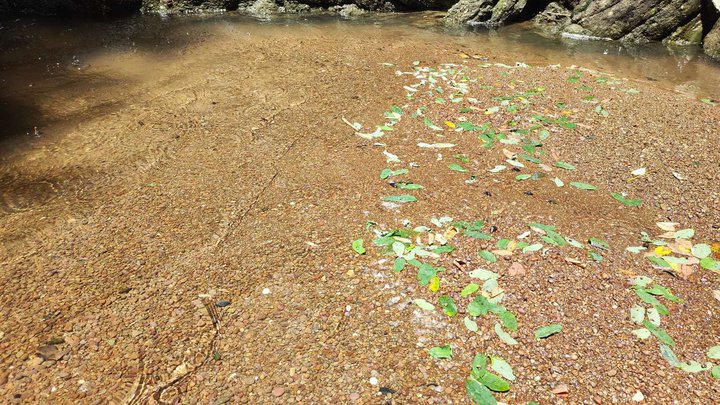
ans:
(490, 12)
(554, 19)
(635, 21)
(711, 28)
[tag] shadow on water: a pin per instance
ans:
(47, 58)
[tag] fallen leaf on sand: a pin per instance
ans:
(667, 226)
(516, 269)
(684, 271)
(716, 294)
(561, 389)
(575, 262)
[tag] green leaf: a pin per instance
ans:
(649, 299)
(685, 234)
(626, 201)
(482, 306)
(715, 372)
(710, 264)
(502, 367)
(546, 331)
(403, 198)
(582, 186)
(470, 324)
(694, 367)
(490, 285)
(504, 336)
(448, 305)
(398, 248)
(408, 186)
(469, 289)
(565, 165)
(637, 314)
(641, 281)
(424, 305)
(479, 393)
(508, 320)
(494, 382)
(477, 235)
(521, 177)
(599, 243)
(425, 273)
(399, 265)
(357, 246)
(714, 352)
(659, 333)
(642, 333)
(457, 168)
(707, 101)
(595, 256)
(389, 173)
(653, 316)
(669, 355)
(441, 352)
(483, 274)
(659, 261)
(565, 123)
(701, 250)
(488, 256)
(663, 292)
(532, 248)
(479, 362)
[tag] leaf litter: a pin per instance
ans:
(410, 250)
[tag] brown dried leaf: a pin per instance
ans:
(561, 389)
(516, 269)
(684, 271)
(681, 246)
(667, 226)
(575, 262)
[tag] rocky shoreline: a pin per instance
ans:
(675, 22)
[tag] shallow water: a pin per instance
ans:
(57, 73)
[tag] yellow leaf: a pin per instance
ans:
(662, 250)
(450, 233)
(434, 284)
(450, 124)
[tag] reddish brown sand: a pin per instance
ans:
(229, 171)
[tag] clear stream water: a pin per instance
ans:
(40, 59)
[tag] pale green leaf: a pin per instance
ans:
(502, 367)
(504, 336)
(424, 304)
(547, 331)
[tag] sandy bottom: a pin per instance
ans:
(224, 172)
